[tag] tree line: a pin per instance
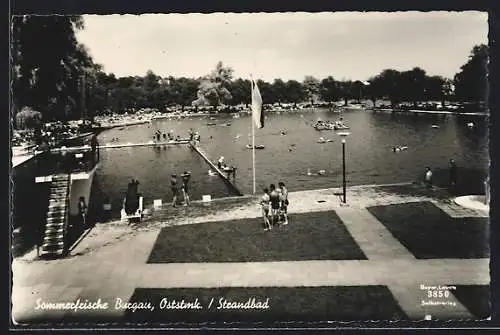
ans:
(55, 75)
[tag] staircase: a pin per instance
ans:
(54, 238)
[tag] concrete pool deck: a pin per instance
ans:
(111, 261)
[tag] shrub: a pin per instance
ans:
(28, 118)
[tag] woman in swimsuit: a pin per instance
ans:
(264, 202)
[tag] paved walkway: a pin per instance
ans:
(111, 262)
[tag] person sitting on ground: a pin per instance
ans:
(275, 204)
(185, 179)
(284, 202)
(264, 203)
(220, 162)
(227, 170)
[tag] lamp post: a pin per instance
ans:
(343, 135)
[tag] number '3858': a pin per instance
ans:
(438, 294)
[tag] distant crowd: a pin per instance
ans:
(193, 136)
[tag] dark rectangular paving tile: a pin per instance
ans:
(309, 236)
(285, 304)
(428, 232)
(476, 298)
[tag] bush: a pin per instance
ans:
(28, 118)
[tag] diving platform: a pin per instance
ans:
(120, 145)
(221, 173)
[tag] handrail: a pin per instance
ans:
(204, 155)
(66, 213)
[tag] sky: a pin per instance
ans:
(345, 45)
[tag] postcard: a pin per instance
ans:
(249, 168)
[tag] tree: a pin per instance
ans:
(375, 89)
(28, 118)
(214, 88)
(411, 85)
(329, 90)
(358, 90)
(437, 88)
(389, 80)
(345, 87)
(46, 64)
(311, 87)
(294, 92)
(471, 82)
(182, 91)
(241, 92)
(279, 89)
(266, 91)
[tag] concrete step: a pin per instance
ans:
(52, 245)
(58, 225)
(53, 238)
(56, 219)
(53, 216)
(58, 197)
(60, 177)
(58, 204)
(56, 207)
(56, 214)
(59, 191)
(54, 231)
(57, 252)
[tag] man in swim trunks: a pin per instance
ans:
(275, 204)
(185, 179)
(264, 202)
(284, 202)
(173, 187)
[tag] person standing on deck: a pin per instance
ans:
(453, 173)
(185, 179)
(264, 203)
(284, 202)
(93, 145)
(428, 177)
(275, 204)
(173, 187)
(82, 211)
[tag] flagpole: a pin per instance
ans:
(253, 139)
(253, 154)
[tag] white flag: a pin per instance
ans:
(257, 114)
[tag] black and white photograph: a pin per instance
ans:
(258, 168)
